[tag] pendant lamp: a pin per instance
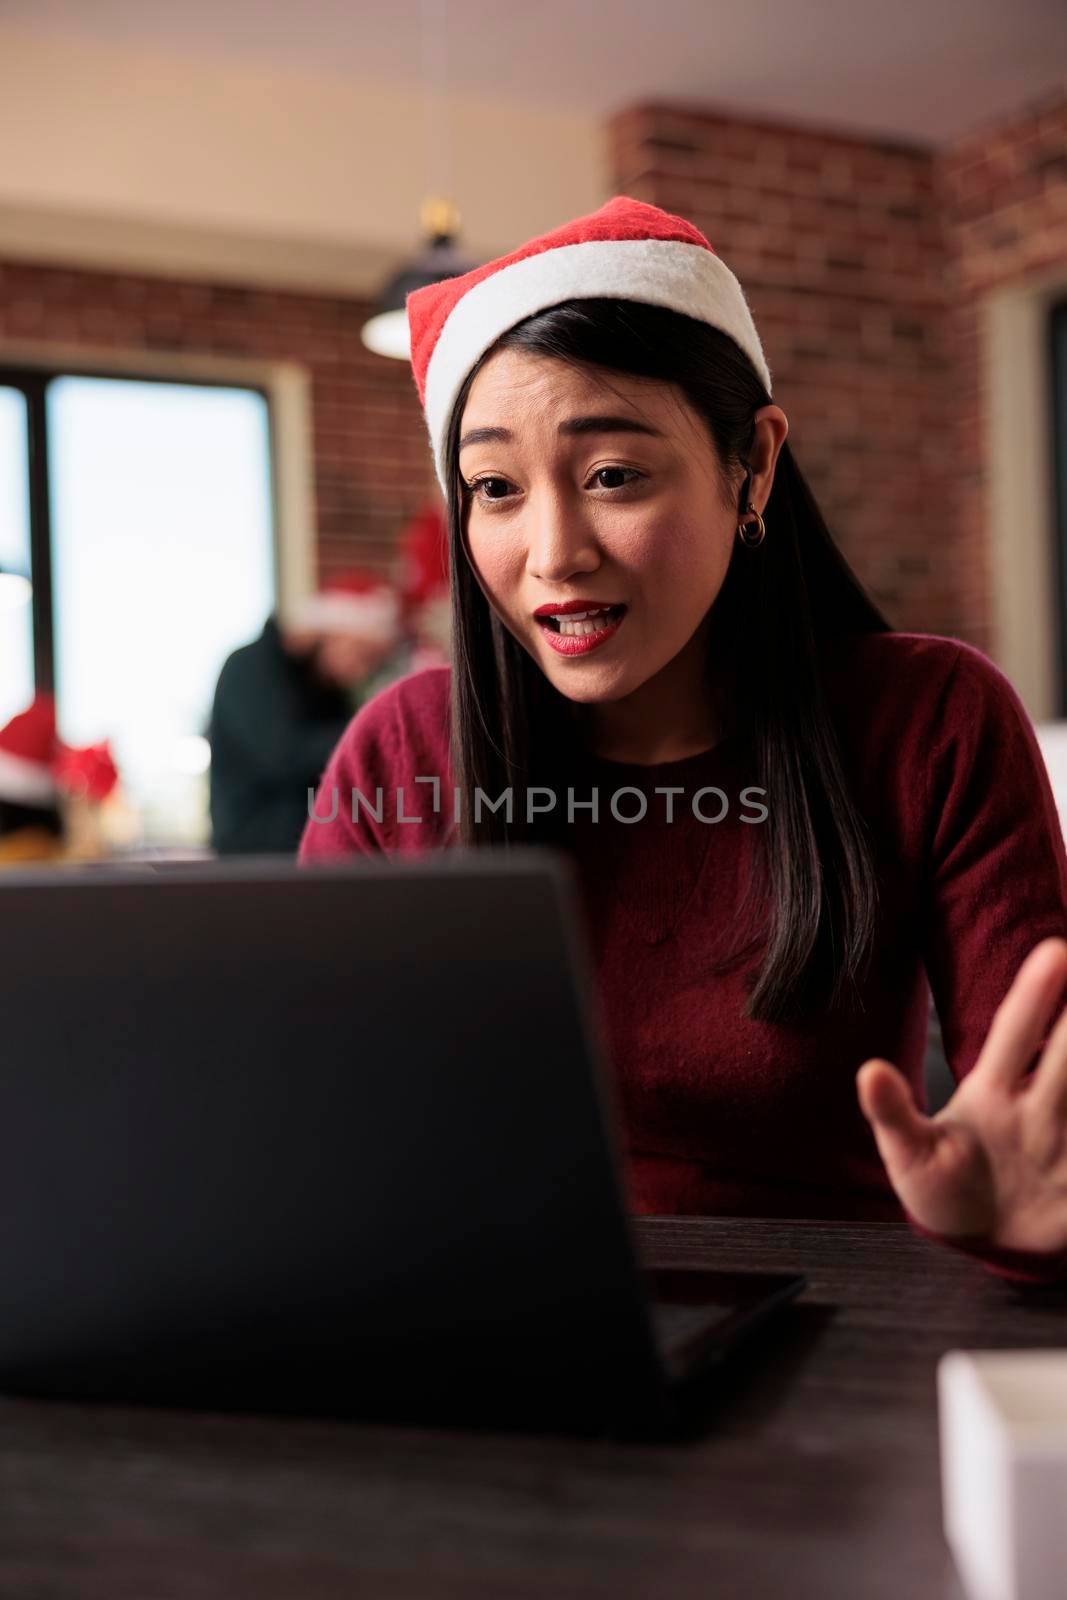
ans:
(386, 331)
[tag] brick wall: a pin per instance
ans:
(372, 467)
(1005, 191)
(865, 264)
(840, 248)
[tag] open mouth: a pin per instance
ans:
(581, 624)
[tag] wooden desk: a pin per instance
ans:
(817, 1478)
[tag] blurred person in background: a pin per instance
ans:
(420, 573)
(283, 701)
(52, 795)
(423, 584)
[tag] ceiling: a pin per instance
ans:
(915, 69)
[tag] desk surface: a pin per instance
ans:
(817, 1476)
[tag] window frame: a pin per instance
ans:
(32, 386)
(1057, 340)
(1017, 496)
(32, 381)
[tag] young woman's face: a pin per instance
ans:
(600, 489)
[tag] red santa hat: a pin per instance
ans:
(27, 750)
(422, 558)
(36, 767)
(89, 773)
(627, 250)
(355, 602)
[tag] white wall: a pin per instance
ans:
(111, 155)
(1052, 737)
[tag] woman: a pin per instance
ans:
(800, 812)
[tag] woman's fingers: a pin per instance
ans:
(1048, 1090)
(903, 1133)
(1022, 1018)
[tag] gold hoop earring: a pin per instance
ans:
(744, 530)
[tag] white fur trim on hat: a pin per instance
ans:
(25, 782)
(371, 616)
(662, 272)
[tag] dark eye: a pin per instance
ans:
(479, 486)
(620, 472)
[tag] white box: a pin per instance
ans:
(1003, 1424)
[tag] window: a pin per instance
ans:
(158, 526)
(16, 614)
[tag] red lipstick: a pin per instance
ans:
(591, 632)
(567, 606)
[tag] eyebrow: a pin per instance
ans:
(573, 426)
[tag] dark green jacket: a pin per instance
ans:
(273, 727)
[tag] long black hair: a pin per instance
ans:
(512, 729)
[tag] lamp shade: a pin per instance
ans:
(386, 332)
(16, 590)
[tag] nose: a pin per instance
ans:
(560, 541)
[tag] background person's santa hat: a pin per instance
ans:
(422, 578)
(37, 769)
(422, 559)
(627, 250)
(28, 748)
(88, 773)
(353, 602)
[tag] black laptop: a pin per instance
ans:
(327, 1140)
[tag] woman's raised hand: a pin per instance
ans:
(992, 1164)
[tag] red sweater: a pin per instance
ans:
(732, 1117)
